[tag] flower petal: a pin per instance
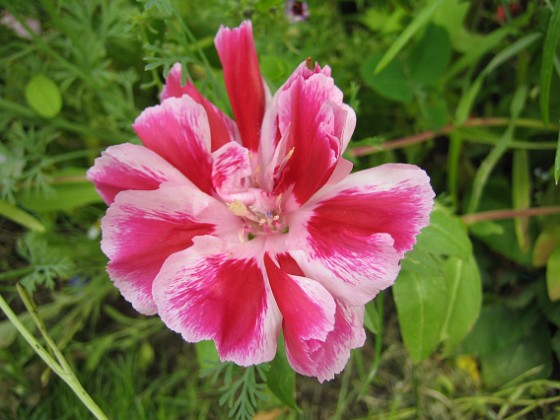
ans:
(351, 235)
(324, 359)
(130, 167)
(307, 307)
(243, 80)
(315, 126)
(143, 228)
(222, 128)
(207, 293)
(231, 171)
(178, 131)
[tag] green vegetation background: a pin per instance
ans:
(467, 90)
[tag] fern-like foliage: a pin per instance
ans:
(241, 390)
(47, 263)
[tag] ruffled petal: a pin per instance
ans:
(324, 359)
(231, 172)
(207, 292)
(222, 128)
(307, 307)
(351, 235)
(131, 167)
(243, 80)
(143, 228)
(315, 127)
(178, 131)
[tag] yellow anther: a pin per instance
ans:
(238, 208)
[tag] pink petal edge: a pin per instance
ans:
(206, 293)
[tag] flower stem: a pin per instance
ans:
(60, 367)
(484, 216)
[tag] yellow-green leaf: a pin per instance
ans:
(553, 275)
(43, 95)
(20, 217)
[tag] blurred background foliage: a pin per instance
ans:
(468, 90)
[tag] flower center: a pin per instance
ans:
(262, 216)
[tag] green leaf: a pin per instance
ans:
(71, 190)
(281, 378)
(43, 95)
(480, 45)
(372, 318)
(553, 275)
(451, 16)
(521, 195)
(464, 300)
(436, 111)
(421, 261)
(467, 101)
(418, 23)
(528, 357)
(557, 162)
(429, 57)
(47, 263)
(392, 83)
(549, 52)
(445, 235)
(206, 354)
(383, 21)
(20, 217)
(497, 326)
(421, 306)
(546, 242)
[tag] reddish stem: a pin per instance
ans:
(428, 135)
(470, 219)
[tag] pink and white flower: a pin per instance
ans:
(236, 231)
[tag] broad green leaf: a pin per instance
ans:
(498, 326)
(451, 16)
(464, 299)
(20, 217)
(549, 52)
(527, 358)
(382, 21)
(555, 342)
(553, 275)
(546, 242)
(372, 318)
(430, 56)
(557, 162)
(206, 354)
(43, 95)
(445, 235)
(437, 112)
(71, 190)
(521, 195)
(421, 261)
(281, 378)
(391, 83)
(416, 25)
(421, 306)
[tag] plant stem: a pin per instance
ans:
(61, 369)
(484, 216)
(428, 135)
(378, 344)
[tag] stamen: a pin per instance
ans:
(239, 209)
